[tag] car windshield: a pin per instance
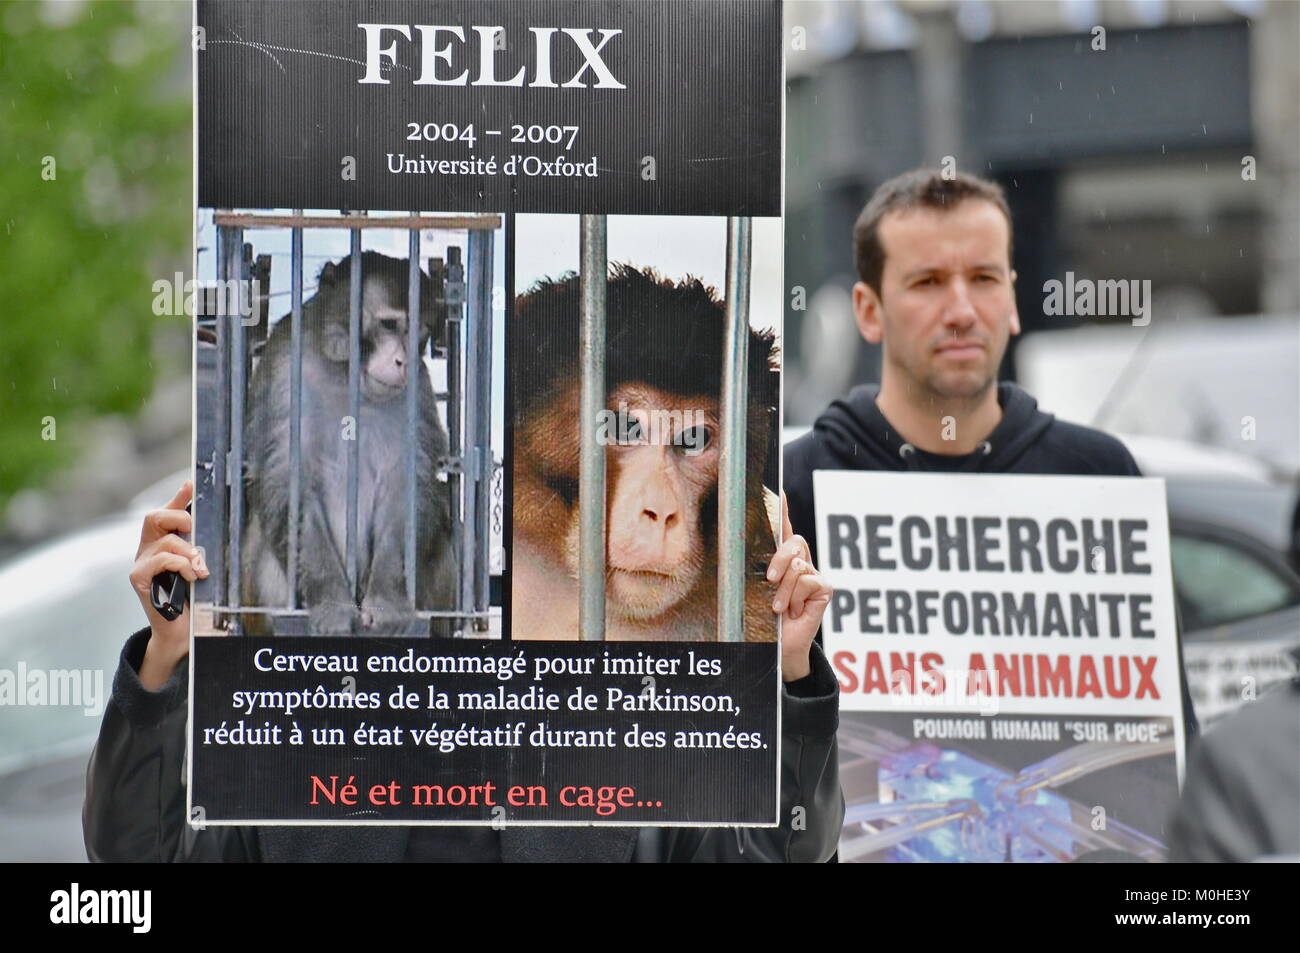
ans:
(1222, 583)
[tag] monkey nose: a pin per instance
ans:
(667, 517)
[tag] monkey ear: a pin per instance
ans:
(326, 274)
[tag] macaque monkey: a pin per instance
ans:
(661, 436)
(380, 605)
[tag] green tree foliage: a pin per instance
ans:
(102, 89)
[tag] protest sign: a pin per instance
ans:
(467, 569)
(1007, 655)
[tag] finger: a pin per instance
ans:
(159, 523)
(172, 544)
(787, 530)
(182, 497)
(789, 580)
(146, 569)
(794, 547)
(155, 526)
(810, 588)
(780, 563)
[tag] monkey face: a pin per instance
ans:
(660, 433)
(662, 467)
(384, 358)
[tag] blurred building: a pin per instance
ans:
(1136, 139)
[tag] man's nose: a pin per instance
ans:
(959, 310)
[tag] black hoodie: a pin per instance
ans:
(852, 434)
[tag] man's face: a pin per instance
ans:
(947, 305)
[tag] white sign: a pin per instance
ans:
(1006, 594)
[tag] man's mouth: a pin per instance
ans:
(961, 350)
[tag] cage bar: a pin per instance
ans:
(479, 349)
(221, 595)
(232, 316)
(454, 286)
(294, 515)
(414, 367)
(732, 464)
(593, 255)
(354, 411)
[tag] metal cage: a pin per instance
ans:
(735, 394)
(469, 466)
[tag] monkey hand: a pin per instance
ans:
(332, 618)
(161, 549)
(802, 595)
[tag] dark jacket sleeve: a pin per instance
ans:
(812, 804)
(135, 784)
(1241, 796)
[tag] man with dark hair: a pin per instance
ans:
(937, 291)
(919, 188)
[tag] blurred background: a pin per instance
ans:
(95, 206)
(1144, 139)
(1168, 155)
(1149, 140)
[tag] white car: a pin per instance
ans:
(66, 608)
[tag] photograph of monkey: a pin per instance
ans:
(379, 604)
(664, 340)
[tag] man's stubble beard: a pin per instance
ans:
(928, 388)
(970, 394)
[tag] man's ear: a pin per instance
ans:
(1015, 314)
(866, 311)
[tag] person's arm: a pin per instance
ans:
(1241, 795)
(135, 791)
(812, 806)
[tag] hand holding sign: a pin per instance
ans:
(802, 595)
(162, 549)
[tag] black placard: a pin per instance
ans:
(562, 732)
(681, 117)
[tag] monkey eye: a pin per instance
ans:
(693, 439)
(389, 324)
(630, 429)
